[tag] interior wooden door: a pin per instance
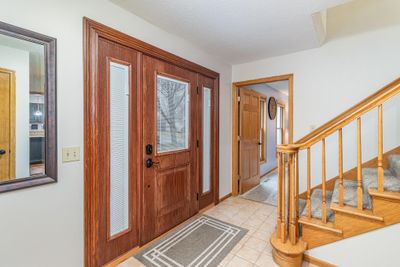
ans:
(116, 177)
(169, 154)
(7, 124)
(249, 156)
(208, 140)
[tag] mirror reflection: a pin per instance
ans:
(22, 109)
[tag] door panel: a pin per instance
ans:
(118, 172)
(170, 179)
(208, 136)
(7, 124)
(249, 138)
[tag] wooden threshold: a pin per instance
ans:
(225, 197)
(269, 172)
(329, 226)
(368, 214)
(385, 194)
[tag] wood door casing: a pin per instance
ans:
(7, 124)
(249, 156)
(110, 247)
(170, 186)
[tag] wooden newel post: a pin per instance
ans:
(288, 249)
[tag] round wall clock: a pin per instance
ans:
(272, 108)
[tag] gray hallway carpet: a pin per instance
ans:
(266, 192)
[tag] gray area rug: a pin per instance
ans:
(266, 192)
(203, 241)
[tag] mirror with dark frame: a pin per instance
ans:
(28, 135)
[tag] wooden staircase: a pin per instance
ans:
(298, 228)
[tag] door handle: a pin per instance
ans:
(150, 163)
(2, 152)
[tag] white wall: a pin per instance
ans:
(18, 61)
(327, 81)
(43, 226)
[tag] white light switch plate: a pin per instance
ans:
(70, 154)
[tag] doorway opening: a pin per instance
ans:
(262, 118)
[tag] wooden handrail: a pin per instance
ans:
(288, 168)
(350, 115)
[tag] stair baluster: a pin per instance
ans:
(283, 200)
(309, 182)
(297, 195)
(291, 253)
(280, 188)
(341, 193)
(292, 200)
(380, 150)
(359, 167)
(324, 220)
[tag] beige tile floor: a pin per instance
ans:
(254, 250)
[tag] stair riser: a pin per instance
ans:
(354, 225)
(316, 237)
(394, 162)
(387, 208)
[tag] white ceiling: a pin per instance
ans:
(237, 31)
(281, 86)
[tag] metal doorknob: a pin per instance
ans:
(150, 163)
(2, 152)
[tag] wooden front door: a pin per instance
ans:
(169, 154)
(249, 156)
(7, 124)
(116, 170)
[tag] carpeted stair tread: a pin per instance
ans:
(391, 184)
(374, 171)
(394, 161)
(316, 205)
(349, 194)
(302, 205)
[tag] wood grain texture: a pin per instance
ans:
(209, 197)
(308, 205)
(235, 141)
(324, 218)
(7, 124)
(341, 188)
(167, 206)
(359, 167)
(170, 189)
(380, 149)
(249, 156)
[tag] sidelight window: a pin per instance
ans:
(206, 139)
(119, 157)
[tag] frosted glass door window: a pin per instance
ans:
(119, 144)
(206, 139)
(172, 114)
